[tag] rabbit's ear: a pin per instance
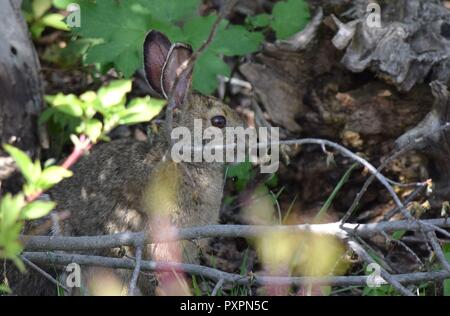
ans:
(156, 50)
(163, 63)
(174, 67)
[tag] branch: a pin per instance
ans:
(361, 252)
(401, 151)
(137, 270)
(438, 251)
(39, 243)
(217, 275)
(44, 274)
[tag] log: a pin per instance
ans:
(21, 92)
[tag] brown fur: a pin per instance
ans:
(117, 186)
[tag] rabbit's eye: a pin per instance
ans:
(219, 121)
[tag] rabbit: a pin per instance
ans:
(118, 184)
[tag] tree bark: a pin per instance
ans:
(21, 93)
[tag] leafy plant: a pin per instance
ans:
(36, 13)
(92, 115)
(323, 210)
(241, 173)
(446, 249)
(15, 210)
(287, 18)
(81, 114)
(122, 42)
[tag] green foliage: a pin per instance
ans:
(382, 290)
(4, 289)
(14, 210)
(195, 287)
(242, 290)
(241, 173)
(122, 42)
(112, 32)
(323, 210)
(10, 226)
(259, 20)
(446, 249)
(37, 14)
(62, 4)
(81, 114)
(36, 178)
(289, 17)
(397, 235)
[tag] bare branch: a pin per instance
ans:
(359, 250)
(438, 250)
(217, 275)
(45, 274)
(38, 243)
(217, 287)
(391, 158)
(137, 270)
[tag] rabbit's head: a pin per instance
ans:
(163, 64)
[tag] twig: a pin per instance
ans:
(361, 252)
(344, 151)
(394, 156)
(43, 273)
(438, 250)
(136, 271)
(216, 275)
(217, 287)
(408, 200)
(38, 243)
(404, 246)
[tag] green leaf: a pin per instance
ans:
(326, 290)
(122, 42)
(10, 207)
(69, 104)
(289, 17)
(36, 29)
(141, 110)
(259, 20)
(62, 4)
(37, 209)
(40, 7)
(51, 176)
(447, 287)
(272, 181)
(170, 10)
(211, 64)
(208, 67)
(446, 249)
(226, 43)
(5, 289)
(397, 235)
(323, 210)
(55, 20)
(23, 162)
(93, 129)
(114, 93)
(242, 173)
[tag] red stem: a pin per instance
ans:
(75, 155)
